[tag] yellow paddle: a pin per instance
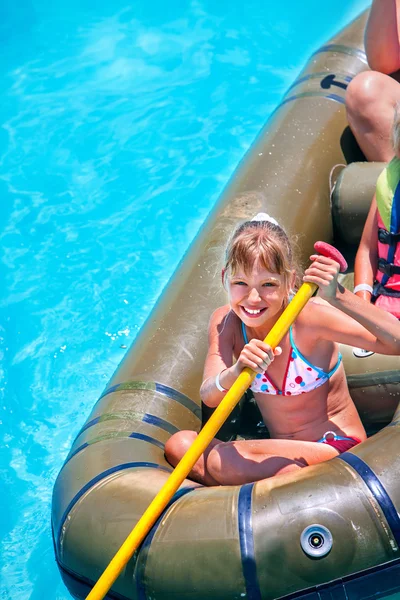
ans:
(205, 436)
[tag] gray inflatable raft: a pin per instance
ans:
(332, 531)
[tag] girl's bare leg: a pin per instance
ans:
(177, 446)
(370, 101)
(235, 463)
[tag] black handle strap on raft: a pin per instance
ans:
(377, 489)
(160, 388)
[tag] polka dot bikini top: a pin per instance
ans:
(300, 375)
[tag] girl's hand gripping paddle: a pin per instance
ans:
(205, 436)
(331, 252)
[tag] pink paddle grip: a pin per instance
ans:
(328, 250)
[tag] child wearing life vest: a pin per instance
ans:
(377, 264)
(300, 386)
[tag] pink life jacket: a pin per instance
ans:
(387, 285)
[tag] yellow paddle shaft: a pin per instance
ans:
(192, 455)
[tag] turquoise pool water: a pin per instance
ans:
(120, 125)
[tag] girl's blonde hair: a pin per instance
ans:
(396, 129)
(263, 242)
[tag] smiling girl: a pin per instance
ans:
(300, 387)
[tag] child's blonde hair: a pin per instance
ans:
(264, 242)
(396, 130)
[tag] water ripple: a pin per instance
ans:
(120, 126)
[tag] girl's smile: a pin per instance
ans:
(253, 313)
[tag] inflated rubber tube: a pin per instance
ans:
(351, 198)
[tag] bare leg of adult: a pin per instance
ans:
(235, 463)
(177, 446)
(370, 101)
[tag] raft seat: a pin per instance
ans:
(351, 199)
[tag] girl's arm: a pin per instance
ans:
(219, 356)
(382, 36)
(367, 254)
(219, 367)
(356, 323)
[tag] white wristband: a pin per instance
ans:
(217, 383)
(363, 287)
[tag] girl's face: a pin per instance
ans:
(257, 297)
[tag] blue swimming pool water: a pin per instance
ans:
(120, 124)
